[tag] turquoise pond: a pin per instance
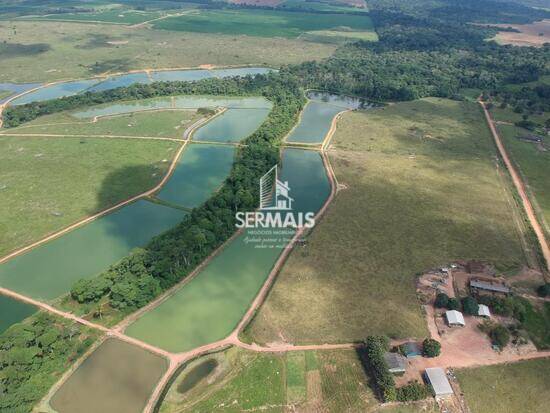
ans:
(13, 311)
(98, 84)
(233, 125)
(200, 171)
(209, 307)
(50, 270)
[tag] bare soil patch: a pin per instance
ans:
(534, 34)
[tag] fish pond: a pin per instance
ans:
(13, 311)
(116, 378)
(210, 306)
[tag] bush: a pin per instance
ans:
(431, 348)
(470, 306)
(544, 290)
(441, 300)
(500, 336)
(453, 304)
(412, 392)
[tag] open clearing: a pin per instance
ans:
(534, 34)
(297, 381)
(49, 183)
(116, 377)
(421, 190)
(507, 388)
(165, 124)
(78, 50)
(262, 23)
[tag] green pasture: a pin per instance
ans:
(113, 16)
(262, 23)
(49, 183)
(507, 388)
(420, 189)
(162, 123)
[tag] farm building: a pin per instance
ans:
(437, 378)
(410, 349)
(484, 287)
(483, 311)
(396, 363)
(455, 318)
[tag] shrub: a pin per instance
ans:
(453, 304)
(441, 300)
(412, 392)
(500, 336)
(431, 348)
(376, 346)
(544, 290)
(470, 305)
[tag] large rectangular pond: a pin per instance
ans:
(201, 171)
(79, 86)
(233, 125)
(116, 378)
(210, 306)
(50, 270)
(13, 311)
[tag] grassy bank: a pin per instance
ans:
(420, 189)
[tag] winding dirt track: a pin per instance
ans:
(520, 187)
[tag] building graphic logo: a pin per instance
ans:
(274, 194)
(275, 207)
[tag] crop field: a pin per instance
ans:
(49, 183)
(77, 50)
(162, 123)
(533, 161)
(507, 388)
(262, 23)
(420, 189)
(306, 381)
(117, 376)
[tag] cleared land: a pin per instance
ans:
(166, 124)
(534, 34)
(421, 189)
(113, 16)
(116, 377)
(262, 23)
(77, 50)
(48, 183)
(532, 160)
(508, 388)
(306, 381)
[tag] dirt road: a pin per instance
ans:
(520, 187)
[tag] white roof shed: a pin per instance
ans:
(438, 380)
(455, 318)
(483, 311)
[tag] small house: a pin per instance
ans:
(410, 349)
(437, 378)
(483, 311)
(397, 364)
(455, 318)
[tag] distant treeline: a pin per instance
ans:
(168, 258)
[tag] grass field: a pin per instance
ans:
(297, 381)
(421, 190)
(48, 183)
(534, 165)
(166, 123)
(4, 94)
(507, 388)
(112, 16)
(78, 50)
(262, 23)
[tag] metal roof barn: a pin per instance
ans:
(438, 380)
(483, 311)
(455, 318)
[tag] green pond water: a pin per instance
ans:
(315, 122)
(50, 270)
(201, 170)
(233, 125)
(196, 374)
(210, 306)
(13, 311)
(117, 378)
